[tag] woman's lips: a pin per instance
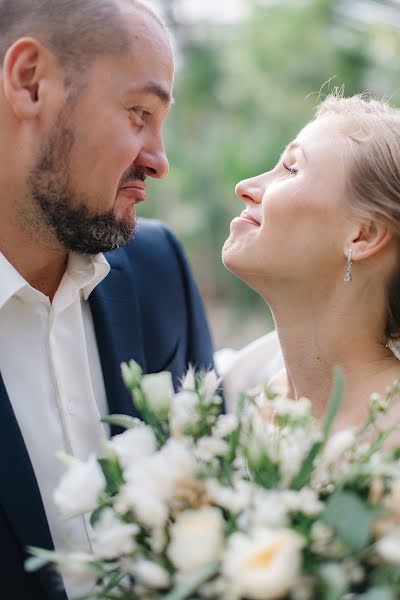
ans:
(245, 216)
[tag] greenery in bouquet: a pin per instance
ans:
(264, 503)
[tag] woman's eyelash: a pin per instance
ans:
(292, 170)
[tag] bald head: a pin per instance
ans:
(77, 31)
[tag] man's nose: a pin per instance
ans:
(154, 160)
(249, 190)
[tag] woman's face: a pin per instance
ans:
(294, 223)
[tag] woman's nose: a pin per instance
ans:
(249, 190)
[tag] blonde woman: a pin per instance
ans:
(318, 239)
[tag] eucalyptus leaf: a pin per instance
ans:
(351, 518)
(333, 582)
(191, 582)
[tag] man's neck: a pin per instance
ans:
(42, 267)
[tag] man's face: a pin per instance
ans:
(92, 166)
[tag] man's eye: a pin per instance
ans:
(140, 113)
(292, 170)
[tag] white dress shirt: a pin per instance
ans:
(50, 365)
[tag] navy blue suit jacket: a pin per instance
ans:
(149, 309)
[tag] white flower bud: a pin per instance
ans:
(131, 374)
(159, 392)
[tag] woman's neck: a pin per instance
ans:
(316, 336)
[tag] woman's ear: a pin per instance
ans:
(23, 69)
(368, 239)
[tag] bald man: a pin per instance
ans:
(85, 87)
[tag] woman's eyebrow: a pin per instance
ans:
(296, 146)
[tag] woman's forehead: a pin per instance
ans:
(322, 136)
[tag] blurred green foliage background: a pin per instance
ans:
(246, 83)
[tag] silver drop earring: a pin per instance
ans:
(347, 277)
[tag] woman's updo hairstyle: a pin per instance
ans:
(372, 130)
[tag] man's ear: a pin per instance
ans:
(368, 239)
(23, 69)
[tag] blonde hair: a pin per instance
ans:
(372, 132)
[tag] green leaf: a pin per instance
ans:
(335, 401)
(307, 467)
(113, 474)
(379, 593)
(191, 582)
(264, 472)
(95, 516)
(303, 476)
(351, 518)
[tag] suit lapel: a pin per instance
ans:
(116, 316)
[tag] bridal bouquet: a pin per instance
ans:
(192, 503)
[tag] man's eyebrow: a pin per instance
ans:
(155, 89)
(296, 146)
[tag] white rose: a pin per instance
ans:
(305, 501)
(337, 445)
(388, 547)
(183, 412)
(225, 425)
(112, 537)
(133, 445)
(208, 448)
(234, 499)
(196, 538)
(147, 490)
(151, 574)
(149, 509)
(80, 487)
(159, 391)
(152, 483)
(180, 460)
(264, 565)
(268, 510)
(78, 568)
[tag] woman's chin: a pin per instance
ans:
(232, 257)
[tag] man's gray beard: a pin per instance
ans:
(59, 215)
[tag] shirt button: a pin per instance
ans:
(71, 408)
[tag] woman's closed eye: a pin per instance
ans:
(292, 170)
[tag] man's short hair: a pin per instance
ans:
(77, 31)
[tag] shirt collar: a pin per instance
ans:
(87, 271)
(11, 281)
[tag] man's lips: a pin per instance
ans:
(135, 190)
